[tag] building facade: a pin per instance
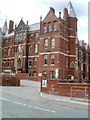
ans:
(49, 48)
(83, 61)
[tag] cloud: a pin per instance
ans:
(32, 10)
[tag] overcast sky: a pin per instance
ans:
(32, 10)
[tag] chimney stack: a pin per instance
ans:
(65, 13)
(11, 23)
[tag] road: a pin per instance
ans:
(26, 102)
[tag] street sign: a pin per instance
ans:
(44, 83)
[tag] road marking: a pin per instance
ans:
(35, 107)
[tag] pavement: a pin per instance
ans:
(65, 99)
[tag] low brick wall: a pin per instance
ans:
(9, 80)
(27, 77)
(64, 89)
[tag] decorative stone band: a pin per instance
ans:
(57, 53)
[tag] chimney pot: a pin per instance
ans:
(60, 14)
(27, 22)
(40, 18)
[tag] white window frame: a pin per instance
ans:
(36, 48)
(45, 43)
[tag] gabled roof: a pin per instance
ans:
(71, 10)
(51, 15)
(21, 26)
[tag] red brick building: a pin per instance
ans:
(49, 48)
(83, 61)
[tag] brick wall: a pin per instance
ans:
(27, 77)
(9, 80)
(64, 89)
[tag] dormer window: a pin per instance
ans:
(50, 28)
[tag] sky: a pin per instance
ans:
(31, 10)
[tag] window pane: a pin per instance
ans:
(45, 59)
(35, 61)
(36, 47)
(8, 51)
(50, 28)
(55, 27)
(24, 35)
(30, 48)
(46, 43)
(52, 75)
(36, 34)
(44, 29)
(31, 36)
(34, 73)
(52, 59)
(30, 62)
(53, 43)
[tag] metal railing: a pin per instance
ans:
(80, 92)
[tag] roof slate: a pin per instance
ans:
(71, 10)
(34, 27)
